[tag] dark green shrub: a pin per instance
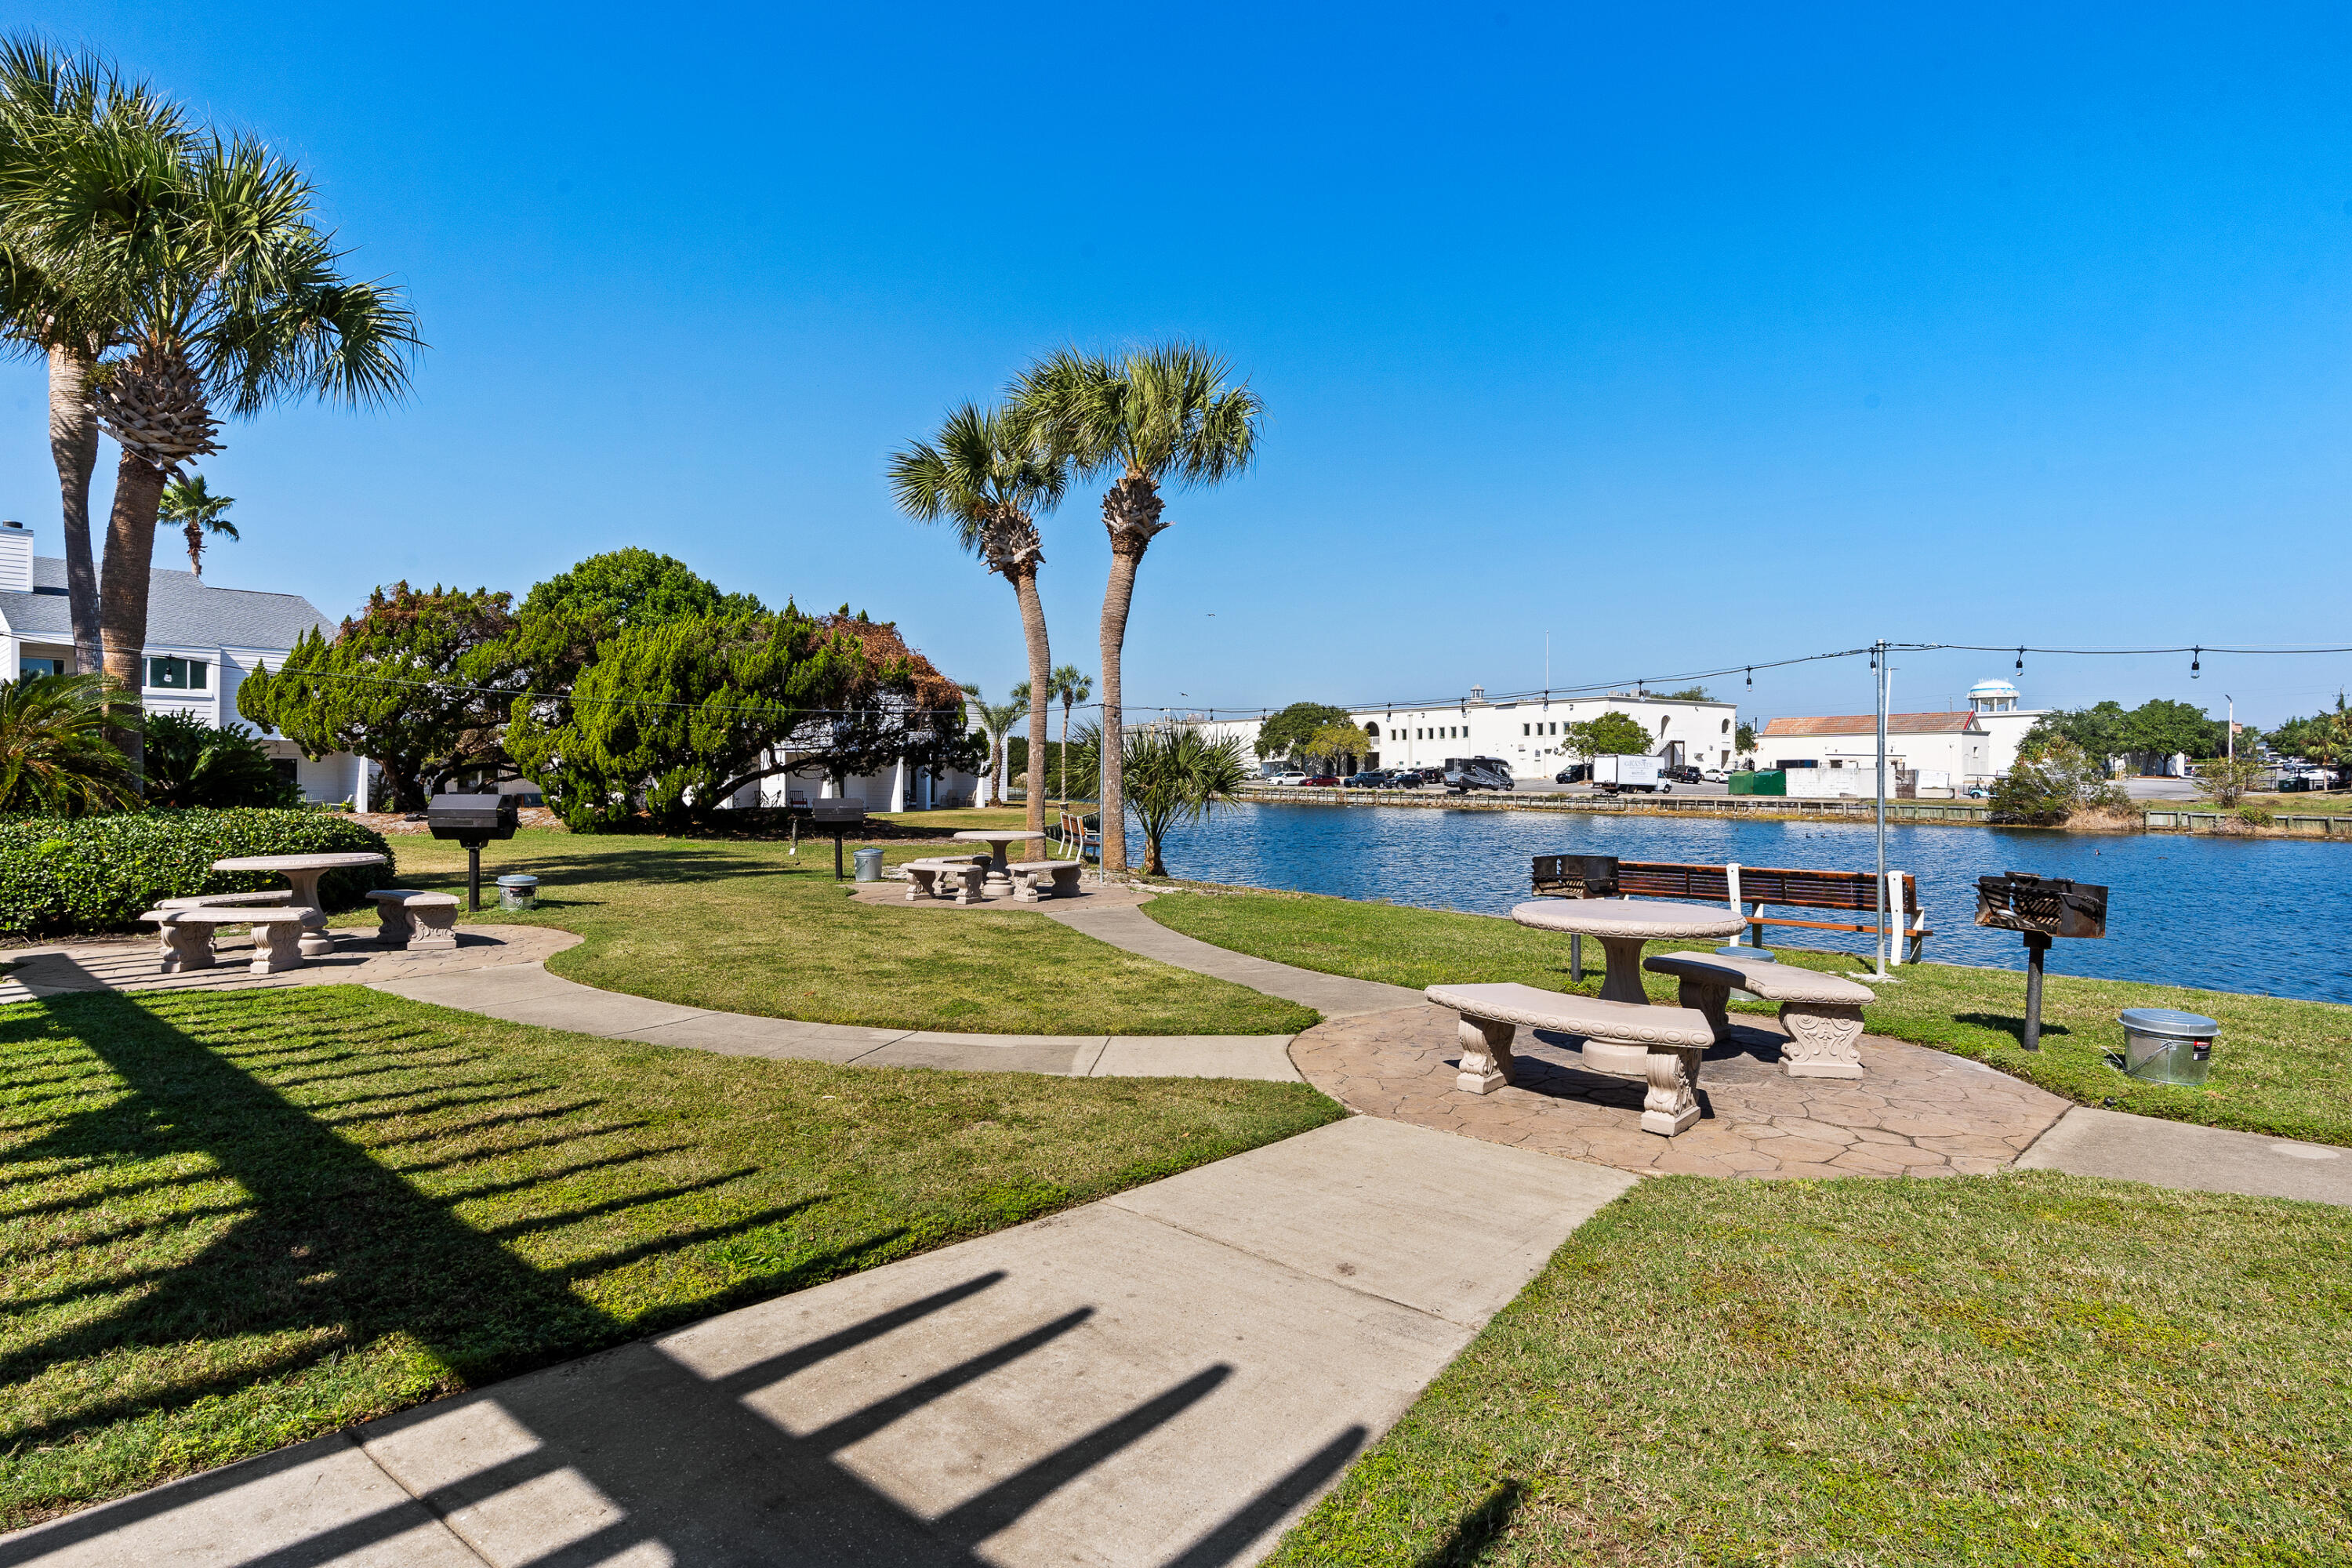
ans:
(188, 763)
(66, 876)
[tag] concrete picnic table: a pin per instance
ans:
(1623, 925)
(302, 873)
(1000, 880)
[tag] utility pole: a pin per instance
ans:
(1878, 662)
(2231, 739)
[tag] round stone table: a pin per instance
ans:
(302, 873)
(1000, 882)
(1623, 925)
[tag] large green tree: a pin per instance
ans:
(53, 106)
(1154, 415)
(2161, 727)
(419, 682)
(2325, 737)
(1286, 734)
(230, 298)
(990, 472)
(678, 716)
(622, 589)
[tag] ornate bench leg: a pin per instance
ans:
(187, 947)
(1672, 1103)
(436, 928)
(1024, 888)
(969, 883)
(1824, 1039)
(1701, 998)
(393, 926)
(1485, 1054)
(920, 885)
(276, 947)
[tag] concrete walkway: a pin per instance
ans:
(1169, 1376)
(2092, 1143)
(527, 994)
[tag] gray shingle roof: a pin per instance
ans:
(181, 611)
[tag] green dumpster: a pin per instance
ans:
(1773, 783)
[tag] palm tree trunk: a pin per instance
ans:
(1126, 554)
(73, 445)
(1041, 696)
(123, 593)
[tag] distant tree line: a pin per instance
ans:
(2156, 728)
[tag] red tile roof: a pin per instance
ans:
(1867, 724)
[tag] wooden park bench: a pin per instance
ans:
(934, 877)
(1671, 1041)
(1036, 879)
(277, 934)
(419, 921)
(1823, 1013)
(1751, 890)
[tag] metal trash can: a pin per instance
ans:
(869, 865)
(2165, 1046)
(517, 891)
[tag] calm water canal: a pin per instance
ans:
(2268, 916)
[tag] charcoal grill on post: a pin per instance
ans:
(840, 815)
(1576, 876)
(473, 820)
(2042, 908)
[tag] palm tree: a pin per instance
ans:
(1072, 687)
(50, 105)
(1151, 415)
(996, 720)
(198, 512)
(232, 300)
(1175, 773)
(55, 754)
(988, 473)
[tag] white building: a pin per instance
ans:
(1996, 704)
(1526, 732)
(1954, 744)
(201, 642)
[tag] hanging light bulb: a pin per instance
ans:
(1751, 677)
(2020, 661)
(2196, 657)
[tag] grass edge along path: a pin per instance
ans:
(748, 926)
(2280, 1067)
(2027, 1368)
(230, 1220)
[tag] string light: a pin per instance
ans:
(2196, 657)
(2020, 661)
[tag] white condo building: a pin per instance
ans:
(201, 642)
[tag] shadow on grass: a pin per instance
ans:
(2010, 1023)
(1477, 1530)
(339, 1250)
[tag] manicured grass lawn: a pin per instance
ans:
(230, 1220)
(2282, 1068)
(746, 927)
(2029, 1368)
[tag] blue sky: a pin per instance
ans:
(1692, 336)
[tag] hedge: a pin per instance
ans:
(64, 876)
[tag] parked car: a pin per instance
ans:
(1322, 781)
(1714, 775)
(1680, 775)
(1293, 779)
(1366, 781)
(1575, 772)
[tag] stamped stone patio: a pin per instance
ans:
(1915, 1112)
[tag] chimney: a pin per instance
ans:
(16, 558)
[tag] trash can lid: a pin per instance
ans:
(2166, 1021)
(518, 879)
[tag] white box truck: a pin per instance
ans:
(1610, 775)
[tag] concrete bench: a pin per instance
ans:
(269, 897)
(1671, 1040)
(1823, 1013)
(957, 877)
(1036, 879)
(277, 935)
(420, 923)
